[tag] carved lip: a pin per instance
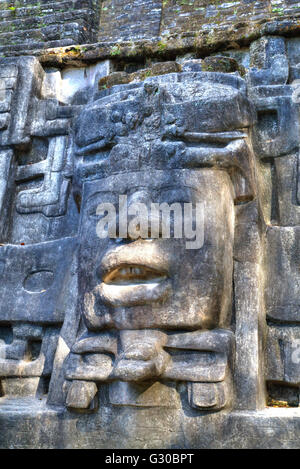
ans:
(119, 295)
(134, 274)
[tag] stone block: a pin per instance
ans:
(81, 395)
(207, 395)
(283, 355)
(276, 131)
(145, 394)
(282, 281)
(36, 274)
(269, 62)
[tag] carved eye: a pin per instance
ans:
(39, 282)
(97, 200)
(93, 212)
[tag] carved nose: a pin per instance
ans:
(139, 204)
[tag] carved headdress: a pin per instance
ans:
(175, 121)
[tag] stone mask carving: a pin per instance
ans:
(154, 313)
(185, 334)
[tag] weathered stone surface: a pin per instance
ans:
(287, 180)
(282, 268)
(30, 424)
(220, 64)
(282, 356)
(130, 20)
(81, 394)
(23, 387)
(90, 367)
(269, 62)
(121, 339)
(48, 22)
(37, 275)
(207, 395)
(150, 28)
(122, 78)
(34, 361)
(144, 394)
(54, 23)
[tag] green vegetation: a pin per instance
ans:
(279, 11)
(115, 51)
(161, 46)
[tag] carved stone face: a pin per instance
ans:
(169, 143)
(158, 283)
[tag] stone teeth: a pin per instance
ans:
(131, 273)
(128, 275)
(126, 271)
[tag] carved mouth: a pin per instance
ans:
(134, 275)
(133, 285)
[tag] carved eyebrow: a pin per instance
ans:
(199, 156)
(217, 137)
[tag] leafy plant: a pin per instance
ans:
(115, 51)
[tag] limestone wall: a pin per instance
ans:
(28, 25)
(34, 24)
(123, 19)
(112, 340)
